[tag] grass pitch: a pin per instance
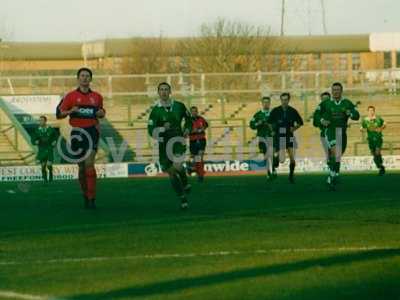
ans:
(242, 238)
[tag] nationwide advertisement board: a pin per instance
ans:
(227, 167)
(303, 165)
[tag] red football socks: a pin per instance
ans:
(82, 183)
(91, 182)
(200, 168)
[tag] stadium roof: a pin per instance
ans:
(125, 47)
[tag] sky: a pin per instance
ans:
(85, 20)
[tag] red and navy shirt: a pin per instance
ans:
(88, 104)
(199, 125)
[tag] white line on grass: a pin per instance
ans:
(187, 255)
(14, 295)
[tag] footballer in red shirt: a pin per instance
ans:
(84, 108)
(198, 142)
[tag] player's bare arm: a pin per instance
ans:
(66, 113)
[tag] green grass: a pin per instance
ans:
(315, 244)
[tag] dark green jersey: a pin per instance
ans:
(371, 125)
(174, 115)
(44, 137)
(317, 117)
(338, 112)
(259, 123)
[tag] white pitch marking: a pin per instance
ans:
(187, 255)
(14, 295)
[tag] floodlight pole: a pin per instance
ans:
(324, 17)
(283, 18)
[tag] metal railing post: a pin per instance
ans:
(110, 89)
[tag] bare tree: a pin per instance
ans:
(5, 34)
(5, 31)
(231, 47)
(220, 46)
(227, 46)
(146, 56)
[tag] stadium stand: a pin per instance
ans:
(129, 98)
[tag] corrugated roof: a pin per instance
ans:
(170, 47)
(39, 51)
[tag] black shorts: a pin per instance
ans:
(262, 147)
(284, 142)
(264, 143)
(83, 140)
(168, 159)
(197, 145)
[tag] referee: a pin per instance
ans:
(284, 121)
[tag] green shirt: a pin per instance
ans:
(174, 115)
(336, 112)
(371, 125)
(46, 136)
(318, 115)
(259, 123)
